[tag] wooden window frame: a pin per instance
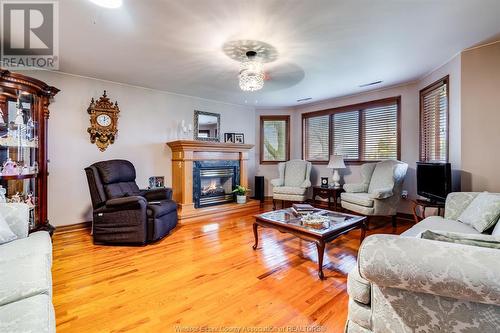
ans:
(287, 137)
(436, 84)
(354, 107)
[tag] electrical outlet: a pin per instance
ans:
(404, 194)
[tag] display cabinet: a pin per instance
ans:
(24, 114)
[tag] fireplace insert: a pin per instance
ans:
(214, 181)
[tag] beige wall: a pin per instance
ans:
(481, 118)
(409, 128)
(453, 70)
(148, 119)
(409, 137)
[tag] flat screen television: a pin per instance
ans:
(434, 180)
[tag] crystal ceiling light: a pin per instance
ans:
(251, 74)
(108, 3)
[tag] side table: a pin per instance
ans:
(328, 193)
(424, 204)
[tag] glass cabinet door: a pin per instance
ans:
(19, 153)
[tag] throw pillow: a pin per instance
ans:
(465, 239)
(496, 231)
(6, 235)
(483, 211)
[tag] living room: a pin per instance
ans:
(266, 166)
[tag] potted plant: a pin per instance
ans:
(241, 192)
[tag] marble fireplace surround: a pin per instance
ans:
(184, 154)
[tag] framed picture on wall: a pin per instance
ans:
(229, 137)
(239, 138)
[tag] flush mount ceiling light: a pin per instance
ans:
(251, 74)
(251, 55)
(108, 3)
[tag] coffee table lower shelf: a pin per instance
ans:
(319, 240)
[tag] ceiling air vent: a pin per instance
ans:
(370, 84)
(304, 99)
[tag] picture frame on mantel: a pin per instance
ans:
(239, 138)
(229, 137)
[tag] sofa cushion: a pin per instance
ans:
(295, 172)
(120, 190)
(439, 223)
(358, 288)
(357, 208)
(24, 277)
(383, 176)
(362, 199)
(456, 203)
(17, 217)
(483, 212)
(116, 171)
(37, 243)
(496, 230)
(6, 235)
(289, 190)
(461, 238)
(164, 207)
(34, 314)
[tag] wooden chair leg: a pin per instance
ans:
(282, 204)
(274, 204)
(394, 221)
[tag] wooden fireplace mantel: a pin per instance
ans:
(184, 153)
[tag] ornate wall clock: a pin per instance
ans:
(103, 121)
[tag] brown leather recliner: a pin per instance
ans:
(123, 213)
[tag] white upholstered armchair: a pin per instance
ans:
(293, 182)
(379, 192)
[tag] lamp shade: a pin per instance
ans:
(336, 162)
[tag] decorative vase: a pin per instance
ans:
(241, 199)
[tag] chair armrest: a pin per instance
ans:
(277, 182)
(17, 217)
(157, 194)
(382, 193)
(306, 184)
(356, 188)
(132, 202)
(419, 265)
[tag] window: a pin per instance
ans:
(361, 132)
(274, 139)
(434, 122)
(317, 138)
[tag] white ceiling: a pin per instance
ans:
(325, 48)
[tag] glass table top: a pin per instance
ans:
(334, 220)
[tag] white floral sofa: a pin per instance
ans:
(25, 276)
(409, 284)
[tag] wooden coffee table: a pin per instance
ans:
(285, 220)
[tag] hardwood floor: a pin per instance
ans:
(203, 275)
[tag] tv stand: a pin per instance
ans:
(424, 204)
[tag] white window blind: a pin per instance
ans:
(434, 122)
(345, 138)
(362, 132)
(380, 133)
(316, 132)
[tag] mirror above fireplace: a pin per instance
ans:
(206, 126)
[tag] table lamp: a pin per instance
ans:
(336, 163)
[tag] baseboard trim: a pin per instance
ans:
(73, 227)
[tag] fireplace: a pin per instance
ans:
(214, 181)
